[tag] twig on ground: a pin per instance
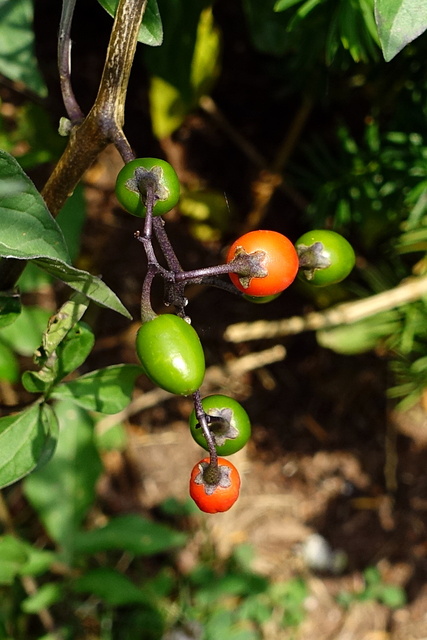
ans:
(216, 375)
(410, 290)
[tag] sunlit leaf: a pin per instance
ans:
(92, 286)
(399, 22)
(282, 5)
(177, 82)
(361, 336)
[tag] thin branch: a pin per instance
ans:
(410, 290)
(201, 418)
(64, 62)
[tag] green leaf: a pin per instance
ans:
(205, 60)
(19, 558)
(13, 556)
(392, 596)
(64, 489)
(25, 334)
(45, 596)
(65, 346)
(29, 232)
(27, 440)
(168, 109)
(111, 586)
(93, 287)
(399, 22)
(71, 219)
(38, 561)
(132, 533)
(106, 390)
(181, 21)
(60, 325)
(151, 30)
(17, 58)
(9, 367)
(10, 307)
(174, 92)
(282, 5)
(361, 336)
(74, 349)
(28, 228)
(69, 355)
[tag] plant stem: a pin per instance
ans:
(64, 62)
(147, 312)
(201, 419)
(104, 122)
(243, 264)
(166, 247)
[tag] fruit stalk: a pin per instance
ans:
(211, 473)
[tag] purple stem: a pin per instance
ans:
(74, 112)
(165, 245)
(201, 419)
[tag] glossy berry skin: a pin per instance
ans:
(215, 498)
(171, 354)
(231, 433)
(147, 169)
(333, 254)
(280, 261)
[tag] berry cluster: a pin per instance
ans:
(260, 265)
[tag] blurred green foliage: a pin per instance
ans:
(376, 589)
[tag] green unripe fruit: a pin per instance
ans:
(171, 354)
(142, 173)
